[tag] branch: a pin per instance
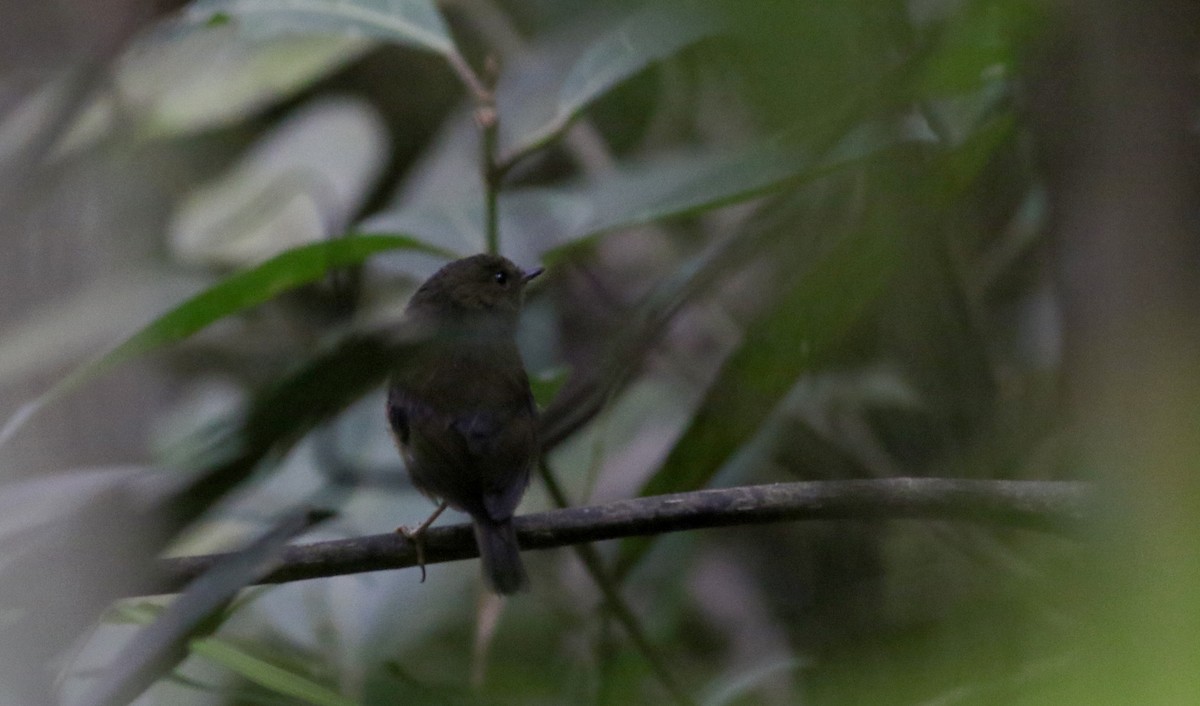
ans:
(1054, 506)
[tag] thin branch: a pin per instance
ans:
(1052, 506)
(489, 126)
(482, 90)
(479, 92)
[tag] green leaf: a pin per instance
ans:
(415, 23)
(235, 294)
(974, 47)
(268, 675)
(545, 385)
(652, 34)
(250, 288)
(139, 613)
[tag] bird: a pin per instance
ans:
(461, 409)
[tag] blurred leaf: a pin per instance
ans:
(414, 23)
(668, 187)
(680, 186)
(268, 675)
(236, 293)
(547, 384)
(300, 181)
(61, 570)
(161, 90)
(58, 334)
(157, 648)
(733, 690)
(793, 337)
(974, 47)
(323, 386)
(252, 287)
(36, 503)
(801, 327)
(130, 613)
(157, 91)
(459, 223)
(649, 35)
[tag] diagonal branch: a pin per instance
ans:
(1053, 506)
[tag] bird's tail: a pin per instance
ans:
(500, 556)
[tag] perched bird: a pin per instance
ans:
(461, 409)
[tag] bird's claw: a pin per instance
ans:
(417, 537)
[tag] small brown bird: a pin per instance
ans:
(461, 409)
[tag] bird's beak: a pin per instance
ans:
(531, 274)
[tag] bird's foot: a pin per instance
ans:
(417, 537)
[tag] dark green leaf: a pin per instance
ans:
(974, 47)
(235, 294)
(255, 286)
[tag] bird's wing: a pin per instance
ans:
(502, 448)
(476, 459)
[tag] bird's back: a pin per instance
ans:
(467, 426)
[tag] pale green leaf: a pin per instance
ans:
(160, 88)
(650, 35)
(415, 23)
(268, 675)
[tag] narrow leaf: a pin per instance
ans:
(235, 294)
(268, 675)
(157, 648)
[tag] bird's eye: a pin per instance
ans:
(501, 278)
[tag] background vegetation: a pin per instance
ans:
(807, 241)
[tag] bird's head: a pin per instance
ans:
(481, 287)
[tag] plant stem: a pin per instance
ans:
(488, 121)
(615, 602)
(482, 90)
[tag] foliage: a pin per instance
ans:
(783, 242)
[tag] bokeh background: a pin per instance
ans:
(794, 241)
